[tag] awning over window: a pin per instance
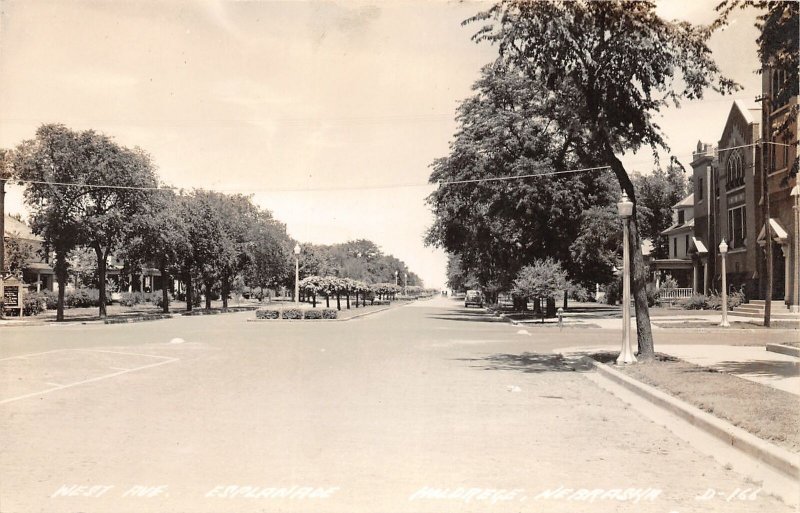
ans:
(779, 233)
(697, 246)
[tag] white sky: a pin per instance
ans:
(278, 97)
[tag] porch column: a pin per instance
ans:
(705, 277)
(695, 273)
(141, 282)
(787, 268)
(130, 283)
(38, 282)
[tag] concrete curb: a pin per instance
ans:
(143, 318)
(776, 457)
(782, 349)
(216, 311)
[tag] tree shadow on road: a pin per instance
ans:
(466, 315)
(525, 362)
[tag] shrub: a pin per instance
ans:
(84, 298)
(292, 313)
(33, 304)
(158, 299)
(696, 302)
(329, 313)
(131, 298)
(313, 314)
(613, 291)
(50, 299)
(652, 294)
(578, 292)
(736, 298)
(267, 313)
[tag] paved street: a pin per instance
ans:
(391, 412)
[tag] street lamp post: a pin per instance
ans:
(296, 273)
(396, 273)
(723, 252)
(625, 209)
(405, 284)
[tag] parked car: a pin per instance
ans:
(473, 297)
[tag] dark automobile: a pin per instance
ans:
(474, 297)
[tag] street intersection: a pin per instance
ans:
(426, 407)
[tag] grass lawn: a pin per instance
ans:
(768, 413)
(118, 311)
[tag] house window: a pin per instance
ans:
(675, 247)
(737, 227)
(735, 170)
(700, 189)
(681, 217)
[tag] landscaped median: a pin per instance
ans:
(306, 312)
(755, 418)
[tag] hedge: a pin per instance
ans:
(296, 313)
(313, 314)
(267, 313)
(292, 313)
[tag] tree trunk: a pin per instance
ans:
(356, 299)
(566, 297)
(208, 295)
(314, 300)
(327, 301)
(644, 333)
(338, 300)
(101, 280)
(189, 288)
(225, 289)
(348, 300)
(164, 289)
(61, 276)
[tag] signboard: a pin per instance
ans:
(13, 295)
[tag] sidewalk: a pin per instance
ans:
(753, 363)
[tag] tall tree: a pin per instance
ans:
(238, 215)
(118, 181)
(270, 261)
(207, 240)
(614, 64)
(657, 193)
(778, 49)
(159, 236)
(49, 164)
(512, 127)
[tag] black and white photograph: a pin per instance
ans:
(399, 256)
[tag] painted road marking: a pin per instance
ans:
(56, 387)
(24, 356)
(120, 352)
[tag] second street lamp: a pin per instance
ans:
(625, 209)
(723, 252)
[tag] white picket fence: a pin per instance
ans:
(673, 294)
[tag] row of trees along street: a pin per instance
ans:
(85, 192)
(575, 84)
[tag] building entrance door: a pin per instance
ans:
(778, 273)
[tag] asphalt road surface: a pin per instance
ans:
(423, 408)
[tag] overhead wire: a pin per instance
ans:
(440, 183)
